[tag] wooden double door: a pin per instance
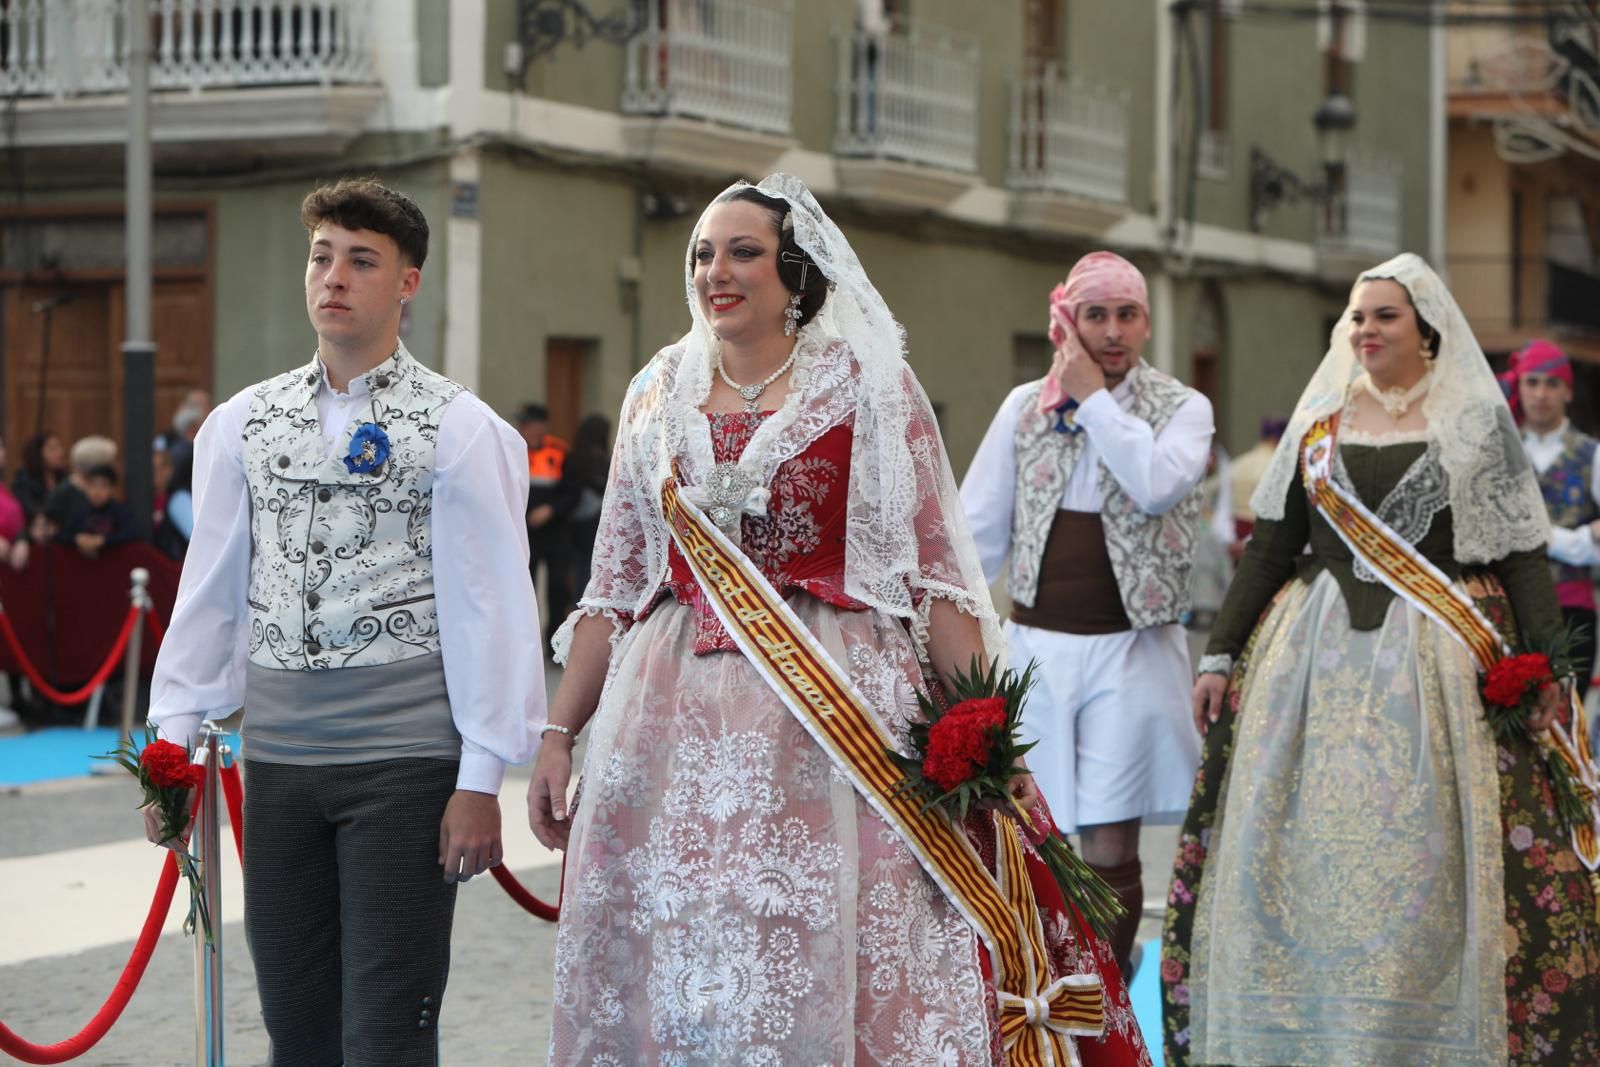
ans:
(69, 379)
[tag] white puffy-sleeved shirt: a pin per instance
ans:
(489, 631)
(1156, 470)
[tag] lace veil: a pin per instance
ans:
(907, 541)
(1495, 502)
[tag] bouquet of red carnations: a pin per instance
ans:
(1512, 689)
(967, 754)
(166, 774)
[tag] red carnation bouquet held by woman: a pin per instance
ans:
(1512, 690)
(166, 774)
(966, 756)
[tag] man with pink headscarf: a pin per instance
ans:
(1087, 481)
(1539, 381)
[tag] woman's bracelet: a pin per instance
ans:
(549, 726)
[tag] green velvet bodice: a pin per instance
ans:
(1277, 553)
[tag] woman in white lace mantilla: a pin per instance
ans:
(728, 897)
(1367, 875)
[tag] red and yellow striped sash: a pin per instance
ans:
(1395, 561)
(820, 694)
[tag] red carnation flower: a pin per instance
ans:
(167, 765)
(959, 743)
(1509, 680)
(989, 707)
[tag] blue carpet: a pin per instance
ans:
(1146, 996)
(63, 752)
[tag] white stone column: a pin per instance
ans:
(1438, 132)
(1163, 322)
(464, 270)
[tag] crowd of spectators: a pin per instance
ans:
(71, 498)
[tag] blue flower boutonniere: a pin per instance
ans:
(369, 449)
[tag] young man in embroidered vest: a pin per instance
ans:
(1564, 459)
(1087, 480)
(357, 581)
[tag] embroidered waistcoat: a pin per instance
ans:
(1151, 555)
(1565, 485)
(341, 567)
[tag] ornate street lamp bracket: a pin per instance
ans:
(542, 25)
(1271, 183)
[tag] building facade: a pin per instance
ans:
(1524, 186)
(971, 152)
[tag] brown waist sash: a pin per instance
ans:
(1078, 591)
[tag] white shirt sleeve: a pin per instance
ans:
(200, 669)
(1156, 470)
(989, 491)
(1574, 547)
(488, 618)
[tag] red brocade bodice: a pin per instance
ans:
(799, 543)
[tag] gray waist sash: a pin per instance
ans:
(349, 715)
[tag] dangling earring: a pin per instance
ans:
(792, 313)
(1427, 352)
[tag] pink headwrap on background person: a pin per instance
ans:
(1538, 357)
(1099, 277)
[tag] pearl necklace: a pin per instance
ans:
(1398, 401)
(752, 393)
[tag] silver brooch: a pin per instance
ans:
(729, 488)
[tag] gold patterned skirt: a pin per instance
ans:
(1351, 907)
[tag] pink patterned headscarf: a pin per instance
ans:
(1538, 357)
(1099, 277)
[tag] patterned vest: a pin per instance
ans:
(341, 570)
(1565, 486)
(1151, 555)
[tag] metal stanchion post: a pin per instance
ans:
(207, 841)
(140, 595)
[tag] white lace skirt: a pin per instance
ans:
(728, 897)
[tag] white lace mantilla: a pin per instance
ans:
(1495, 502)
(906, 542)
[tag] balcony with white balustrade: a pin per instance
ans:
(907, 128)
(709, 83)
(1362, 225)
(266, 77)
(1069, 155)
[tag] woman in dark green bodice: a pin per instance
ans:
(1366, 876)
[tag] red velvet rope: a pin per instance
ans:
(234, 795)
(84, 1040)
(77, 696)
(158, 630)
(519, 893)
